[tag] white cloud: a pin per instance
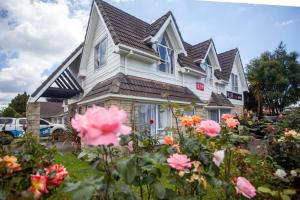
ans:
(42, 34)
(288, 22)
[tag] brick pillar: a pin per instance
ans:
(33, 118)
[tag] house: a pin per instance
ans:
(137, 66)
(53, 112)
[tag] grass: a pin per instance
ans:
(77, 169)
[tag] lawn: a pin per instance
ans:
(77, 169)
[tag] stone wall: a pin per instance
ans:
(238, 109)
(33, 118)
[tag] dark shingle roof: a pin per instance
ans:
(124, 28)
(50, 109)
(226, 60)
(197, 51)
(156, 25)
(140, 87)
(186, 61)
(219, 100)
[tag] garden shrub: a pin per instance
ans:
(27, 170)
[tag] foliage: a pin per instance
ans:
(274, 79)
(9, 112)
(19, 102)
(291, 119)
(20, 162)
(143, 169)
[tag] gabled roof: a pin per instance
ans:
(157, 24)
(226, 60)
(198, 51)
(125, 28)
(58, 69)
(219, 100)
(134, 86)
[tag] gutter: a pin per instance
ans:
(138, 52)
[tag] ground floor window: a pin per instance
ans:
(154, 119)
(216, 114)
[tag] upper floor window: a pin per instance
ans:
(100, 53)
(209, 73)
(234, 83)
(166, 54)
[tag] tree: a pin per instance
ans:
(275, 79)
(9, 112)
(19, 103)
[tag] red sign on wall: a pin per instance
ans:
(200, 86)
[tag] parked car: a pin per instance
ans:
(17, 127)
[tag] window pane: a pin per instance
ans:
(146, 115)
(213, 115)
(236, 83)
(42, 122)
(225, 111)
(164, 121)
(189, 112)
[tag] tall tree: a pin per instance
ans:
(9, 112)
(19, 103)
(275, 79)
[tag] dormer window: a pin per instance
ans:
(100, 54)
(166, 54)
(234, 83)
(206, 66)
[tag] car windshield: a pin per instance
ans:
(6, 120)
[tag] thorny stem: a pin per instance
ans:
(106, 166)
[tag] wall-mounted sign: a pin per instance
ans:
(200, 86)
(236, 96)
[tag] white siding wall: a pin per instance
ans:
(240, 87)
(112, 65)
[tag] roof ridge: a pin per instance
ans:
(235, 49)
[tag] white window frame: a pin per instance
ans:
(209, 79)
(219, 112)
(156, 120)
(170, 62)
(98, 63)
(234, 83)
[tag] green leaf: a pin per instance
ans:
(289, 192)
(159, 190)
(127, 170)
(284, 197)
(84, 193)
(264, 190)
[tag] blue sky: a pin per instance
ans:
(37, 35)
(252, 28)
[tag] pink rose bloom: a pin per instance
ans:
(219, 157)
(99, 126)
(210, 128)
(60, 174)
(244, 187)
(226, 116)
(179, 161)
(232, 123)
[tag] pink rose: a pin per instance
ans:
(219, 157)
(179, 161)
(210, 128)
(244, 187)
(232, 123)
(99, 126)
(226, 116)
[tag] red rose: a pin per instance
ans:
(60, 174)
(151, 121)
